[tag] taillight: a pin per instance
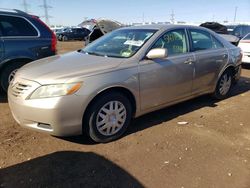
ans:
(53, 42)
(53, 36)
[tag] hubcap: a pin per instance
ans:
(111, 118)
(225, 84)
(12, 75)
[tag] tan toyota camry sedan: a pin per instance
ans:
(127, 73)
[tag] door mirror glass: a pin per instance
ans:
(157, 53)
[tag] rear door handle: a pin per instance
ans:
(224, 56)
(189, 61)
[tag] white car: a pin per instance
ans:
(245, 47)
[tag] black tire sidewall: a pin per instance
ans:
(64, 38)
(4, 82)
(217, 93)
(90, 121)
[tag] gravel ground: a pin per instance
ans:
(212, 150)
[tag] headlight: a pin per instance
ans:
(55, 90)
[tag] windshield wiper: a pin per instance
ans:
(93, 53)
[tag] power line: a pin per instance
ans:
(46, 8)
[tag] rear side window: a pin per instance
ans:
(202, 40)
(16, 26)
(217, 43)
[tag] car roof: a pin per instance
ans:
(164, 27)
(13, 12)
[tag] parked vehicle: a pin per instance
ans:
(59, 32)
(99, 28)
(241, 30)
(222, 31)
(245, 47)
(230, 29)
(125, 74)
(23, 38)
(73, 34)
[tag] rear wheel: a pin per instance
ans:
(8, 74)
(64, 38)
(224, 85)
(108, 117)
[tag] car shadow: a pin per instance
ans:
(246, 66)
(67, 169)
(167, 114)
(3, 98)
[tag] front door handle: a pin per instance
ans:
(189, 61)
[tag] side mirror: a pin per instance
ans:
(157, 53)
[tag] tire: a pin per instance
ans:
(109, 128)
(64, 38)
(224, 85)
(8, 73)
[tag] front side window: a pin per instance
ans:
(174, 41)
(121, 43)
(16, 26)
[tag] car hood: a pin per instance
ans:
(60, 68)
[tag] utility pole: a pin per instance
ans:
(25, 6)
(235, 14)
(143, 19)
(46, 8)
(172, 18)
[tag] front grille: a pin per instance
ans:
(19, 89)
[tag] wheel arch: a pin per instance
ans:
(230, 67)
(14, 60)
(129, 94)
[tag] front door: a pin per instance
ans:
(166, 80)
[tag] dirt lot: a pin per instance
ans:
(213, 150)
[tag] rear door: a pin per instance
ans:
(211, 56)
(20, 37)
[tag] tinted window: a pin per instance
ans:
(16, 26)
(201, 40)
(174, 41)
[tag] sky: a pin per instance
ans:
(73, 12)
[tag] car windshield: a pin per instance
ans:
(121, 43)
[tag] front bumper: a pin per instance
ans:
(246, 57)
(59, 116)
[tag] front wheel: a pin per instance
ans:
(224, 85)
(108, 117)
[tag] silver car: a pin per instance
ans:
(125, 74)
